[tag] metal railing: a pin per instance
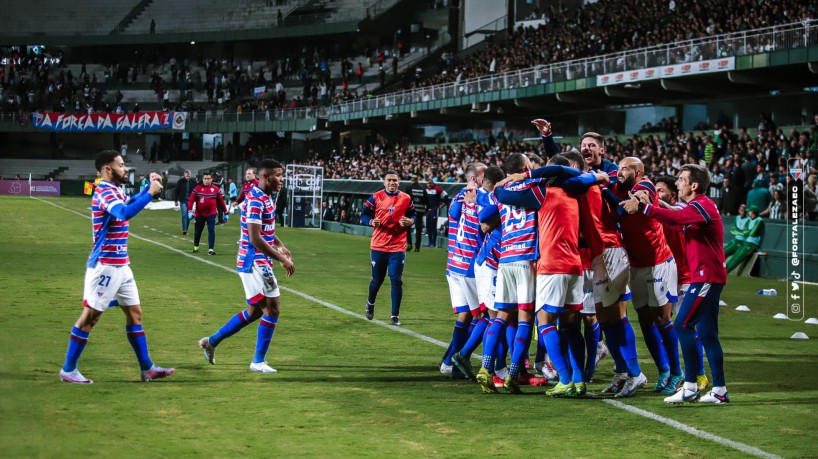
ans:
(783, 37)
(788, 36)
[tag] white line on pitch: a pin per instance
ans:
(747, 449)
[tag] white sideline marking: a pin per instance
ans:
(747, 449)
(752, 450)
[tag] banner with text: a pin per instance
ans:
(35, 187)
(667, 71)
(103, 122)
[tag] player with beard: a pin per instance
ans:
(109, 280)
(653, 274)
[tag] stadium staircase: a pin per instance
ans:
(129, 18)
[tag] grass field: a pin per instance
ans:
(346, 387)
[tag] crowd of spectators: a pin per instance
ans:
(35, 80)
(738, 161)
(611, 26)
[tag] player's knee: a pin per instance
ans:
(397, 281)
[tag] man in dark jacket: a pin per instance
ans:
(184, 186)
(418, 194)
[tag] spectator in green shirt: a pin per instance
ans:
(759, 196)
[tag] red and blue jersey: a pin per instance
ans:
(489, 252)
(518, 241)
(260, 209)
(704, 237)
(110, 212)
(208, 199)
(644, 237)
(465, 236)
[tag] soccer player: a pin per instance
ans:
(465, 238)
(108, 278)
(653, 276)
(704, 235)
(610, 273)
(590, 246)
(258, 248)
(391, 212)
(209, 200)
(667, 193)
(559, 281)
(515, 290)
(485, 275)
(418, 194)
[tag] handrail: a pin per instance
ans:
(787, 36)
(782, 37)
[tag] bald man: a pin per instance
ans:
(653, 275)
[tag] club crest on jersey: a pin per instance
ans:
(796, 173)
(391, 209)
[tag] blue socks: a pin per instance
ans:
(475, 338)
(518, 352)
(613, 339)
(236, 323)
(653, 340)
(670, 340)
(266, 327)
(76, 345)
(628, 346)
(551, 337)
(140, 345)
(459, 336)
(491, 343)
(576, 352)
(592, 335)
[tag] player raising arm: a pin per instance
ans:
(109, 280)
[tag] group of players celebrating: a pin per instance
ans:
(559, 246)
(569, 244)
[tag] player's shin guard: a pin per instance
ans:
(76, 344)
(136, 336)
(475, 338)
(233, 326)
(494, 333)
(551, 337)
(266, 327)
(520, 347)
(459, 337)
(591, 335)
(628, 347)
(576, 352)
(653, 341)
(613, 340)
(511, 333)
(670, 340)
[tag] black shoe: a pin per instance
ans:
(408, 248)
(211, 252)
(417, 248)
(184, 233)
(395, 320)
(370, 311)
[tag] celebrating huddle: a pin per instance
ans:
(568, 244)
(109, 281)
